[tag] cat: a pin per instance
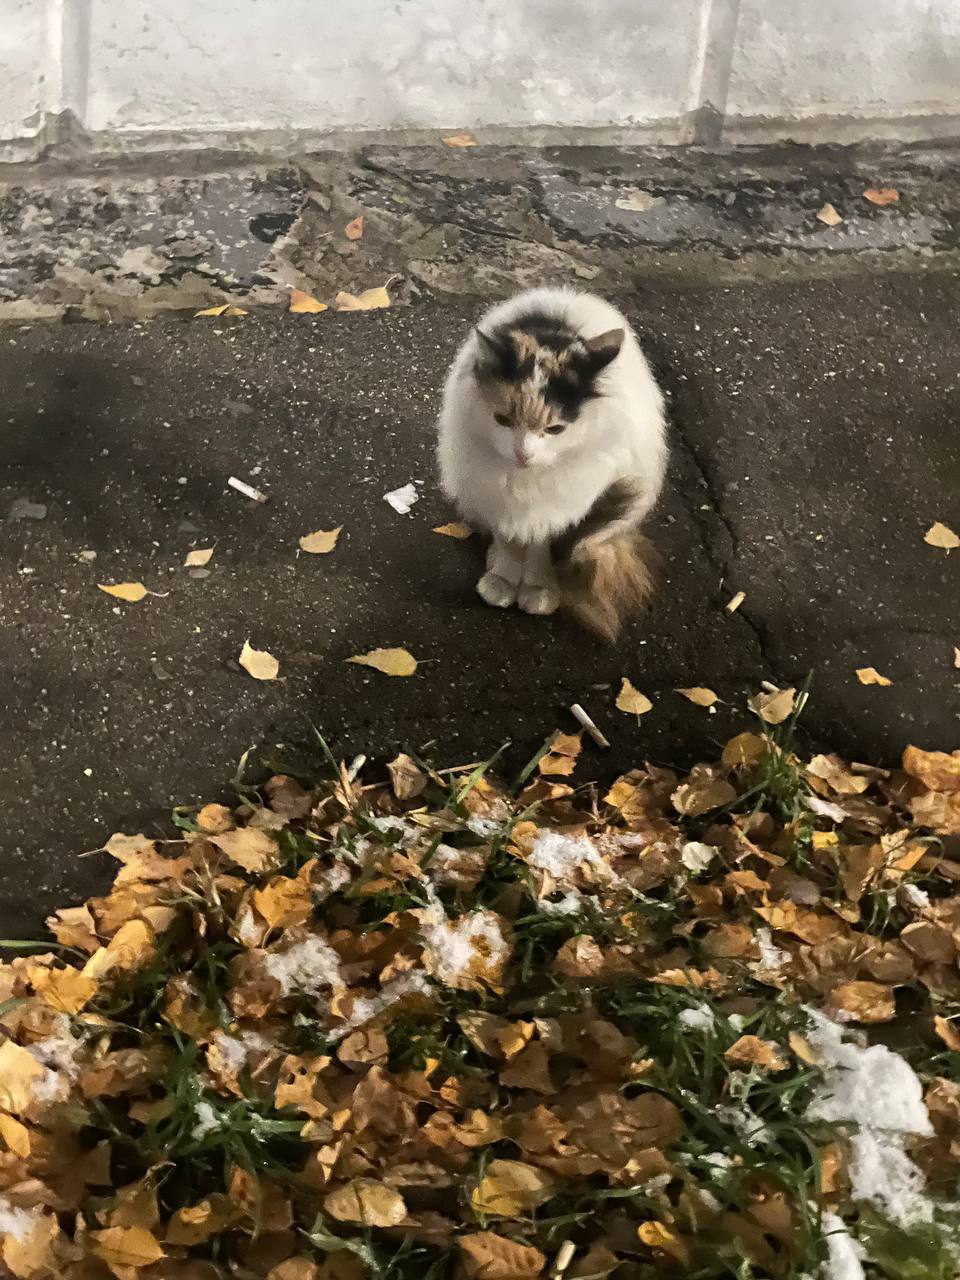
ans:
(552, 440)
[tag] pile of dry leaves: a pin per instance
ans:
(699, 1025)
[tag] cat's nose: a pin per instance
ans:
(523, 459)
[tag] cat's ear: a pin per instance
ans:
(602, 349)
(497, 355)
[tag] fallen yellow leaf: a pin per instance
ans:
(511, 1188)
(458, 531)
(32, 1253)
(632, 700)
(197, 1223)
(870, 675)
(562, 757)
(322, 542)
(772, 708)
(131, 947)
(734, 604)
(19, 1074)
(122, 1247)
(130, 591)
(225, 309)
(197, 559)
(459, 140)
(882, 195)
(354, 230)
(363, 1200)
(248, 847)
(829, 215)
(937, 770)
(940, 535)
(369, 300)
(699, 695)
(487, 1256)
(392, 662)
(65, 990)
(864, 1001)
(258, 662)
(303, 304)
(15, 1135)
(751, 1051)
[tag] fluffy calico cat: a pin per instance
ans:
(552, 440)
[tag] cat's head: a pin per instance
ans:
(536, 381)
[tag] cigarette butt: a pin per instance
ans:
(733, 605)
(581, 717)
(355, 766)
(247, 490)
(564, 1255)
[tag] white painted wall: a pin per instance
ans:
(820, 59)
(136, 72)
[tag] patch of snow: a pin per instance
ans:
(451, 945)
(234, 1049)
(331, 880)
(745, 1123)
(402, 499)
(483, 827)
(825, 808)
(569, 905)
(207, 1120)
(872, 1087)
(771, 956)
(58, 1054)
(15, 1221)
(248, 931)
(390, 824)
(844, 1254)
(697, 857)
(367, 1008)
(882, 1173)
(698, 1019)
(561, 857)
(915, 897)
(307, 966)
(878, 1091)
(719, 1164)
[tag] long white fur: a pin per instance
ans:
(618, 436)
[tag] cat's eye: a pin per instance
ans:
(503, 419)
(556, 428)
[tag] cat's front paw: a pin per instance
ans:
(539, 599)
(496, 591)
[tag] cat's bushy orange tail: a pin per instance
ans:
(605, 582)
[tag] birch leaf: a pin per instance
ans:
(829, 216)
(632, 700)
(322, 542)
(870, 675)
(197, 559)
(354, 230)
(258, 662)
(454, 530)
(369, 300)
(698, 695)
(225, 309)
(941, 536)
(456, 140)
(133, 592)
(302, 304)
(392, 662)
(370, 1203)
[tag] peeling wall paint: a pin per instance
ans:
(673, 71)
